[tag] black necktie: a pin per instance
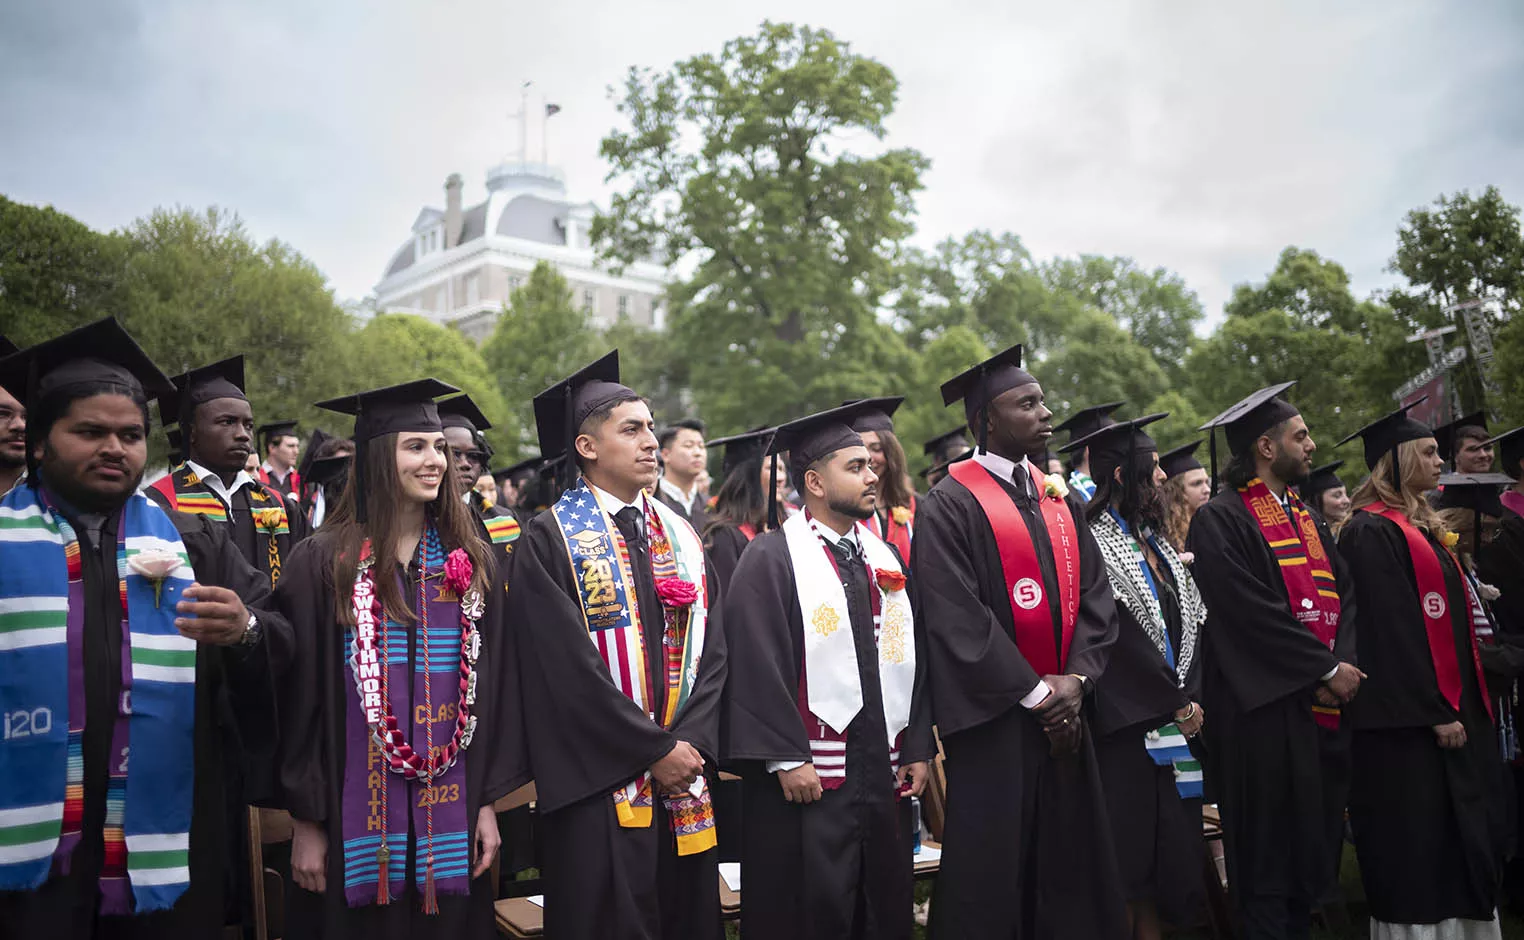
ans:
(628, 519)
(845, 550)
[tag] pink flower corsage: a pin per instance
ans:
(457, 571)
(676, 593)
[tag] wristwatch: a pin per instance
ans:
(1084, 681)
(251, 633)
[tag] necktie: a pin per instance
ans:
(845, 550)
(629, 522)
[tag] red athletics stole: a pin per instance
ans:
(1018, 562)
(1304, 565)
(901, 527)
(1432, 600)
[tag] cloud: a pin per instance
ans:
(1194, 136)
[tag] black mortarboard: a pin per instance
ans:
(1444, 434)
(314, 444)
(175, 437)
(462, 412)
(222, 379)
(1087, 421)
(395, 409)
(1181, 459)
(279, 429)
(740, 448)
(879, 419)
(818, 435)
(1382, 436)
(982, 384)
(327, 470)
(1510, 446)
(1319, 481)
(102, 352)
(939, 446)
(523, 469)
(1477, 492)
(1113, 445)
(7, 347)
(560, 410)
(1244, 422)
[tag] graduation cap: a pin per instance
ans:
(560, 410)
(1115, 445)
(328, 470)
(275, 429)
(982, 384)
(1244, 422)
(939, 446)
(1319, 481)
(462, 412)
(877, 420)
(1087, 421)
(1510, 445)
(102, 353)
(815, 436)
(741, 448)
(7, 347)
(1182, 459)
(1444, 434)
(1477, 492)
(316, 443)
(223, 379)
(1382, 436)
(392, 410)
(175, 437)
(524, 468)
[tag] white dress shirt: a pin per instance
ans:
(612, 504)
(214, 482)
(684, 499)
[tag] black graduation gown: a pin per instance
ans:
(1157, 834)
(698, 516)
(233, 734)
(313, 756)
(1280, 781)
(1500, 563)
(723, 545)
(842, 866)
(586, 738)
(1430, 848)
(1026, 845)
(252, 544)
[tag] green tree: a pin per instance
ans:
(55, 273)
(735, 163)
(1098, 361)
(1155, 307)
(982, 282)
(401, 347)
(541, 337)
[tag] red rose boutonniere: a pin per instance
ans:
(889, 580)
(676, 592)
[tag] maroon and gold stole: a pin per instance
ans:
(1019, 564)
(1305, 568)
(1436, 608)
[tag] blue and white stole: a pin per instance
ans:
(42, 615)
(1135, 588)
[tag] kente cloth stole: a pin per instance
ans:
(185, 492)
(1434, 602)
(502, 530)
(600, 563)
(1132, 581)
(1305, 568)
(378, 803)
(830, 686)
(42, 698)
(1020, 566)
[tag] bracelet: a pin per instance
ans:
(1190, 714)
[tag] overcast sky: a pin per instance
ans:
(1199, 136)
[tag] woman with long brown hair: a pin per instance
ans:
(398, 730)
(1187, 487)
(1426, 804)
(894, 516)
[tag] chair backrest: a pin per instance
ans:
(934, 797)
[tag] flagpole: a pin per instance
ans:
(524, 123)
(544, 131)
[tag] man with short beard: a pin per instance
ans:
(12, 432)
(124, 629)
(216, 424)
(825, 721)
(1279, 663)
(1147, 707)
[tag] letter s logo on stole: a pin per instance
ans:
(1434, 605)
(1027, 594)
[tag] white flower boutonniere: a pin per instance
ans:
(1053, 485)
(155, 565)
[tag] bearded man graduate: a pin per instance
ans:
(1277, 662)
(827, 720)
(12, 432)
(116, 639)
(216, 425)
(622, 654)
(1011, 595)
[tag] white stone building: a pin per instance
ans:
(461, 263)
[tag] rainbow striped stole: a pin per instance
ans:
(502, 529)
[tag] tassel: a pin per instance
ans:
(383, 880)
(430, 897)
